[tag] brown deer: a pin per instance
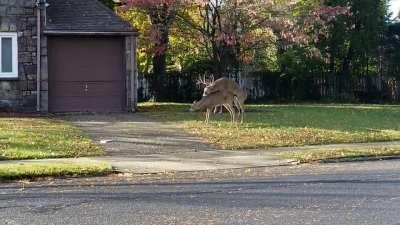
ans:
(228, 87)
(209, 102)
(225, 85)
(239, 100)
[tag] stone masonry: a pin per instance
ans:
(19, 16)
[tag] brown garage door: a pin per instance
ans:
(86, 74)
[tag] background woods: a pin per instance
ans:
(304, 50)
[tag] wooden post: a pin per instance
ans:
(131, 69)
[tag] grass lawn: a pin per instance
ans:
(31, 170)
(287, 125)
(342, 154)
(41, 137)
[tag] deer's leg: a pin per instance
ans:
(208, 111)
(227, 108)
(240, 106)
(231, 111)
(236, 103)
(218, 109)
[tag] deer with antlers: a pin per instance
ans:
(212, 100)
(225, 89)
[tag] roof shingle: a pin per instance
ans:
(83, 16)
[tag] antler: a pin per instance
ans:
(212, 79)
(201, 80)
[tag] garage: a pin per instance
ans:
(87, 74)
(88, 59)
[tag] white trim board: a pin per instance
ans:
(14, 40)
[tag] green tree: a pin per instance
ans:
(352, 45)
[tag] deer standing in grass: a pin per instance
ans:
(212, 100)
(227, 87)
(239, 100)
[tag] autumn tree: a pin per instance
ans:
(239, 33)
(161, 14)
(229, 34)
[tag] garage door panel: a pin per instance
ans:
(67, 89)
(88, 104)
(86, 74)
(91, 72)
(93, 89)
(104, 89)
(86, 56)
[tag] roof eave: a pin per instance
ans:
(91, 33)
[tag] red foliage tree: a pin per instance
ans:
(231, 27)
(235, 29)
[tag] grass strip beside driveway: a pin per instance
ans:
(42, 137)
(31, 169)
(342, 154)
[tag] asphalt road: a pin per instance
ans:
(342, 194)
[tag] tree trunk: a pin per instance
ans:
(160, 67)
(345, 80)
(159, 72)
(161, 17)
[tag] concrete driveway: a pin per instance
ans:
(136, 143)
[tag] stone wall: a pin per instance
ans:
(19, 16)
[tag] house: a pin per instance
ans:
(66, 56)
